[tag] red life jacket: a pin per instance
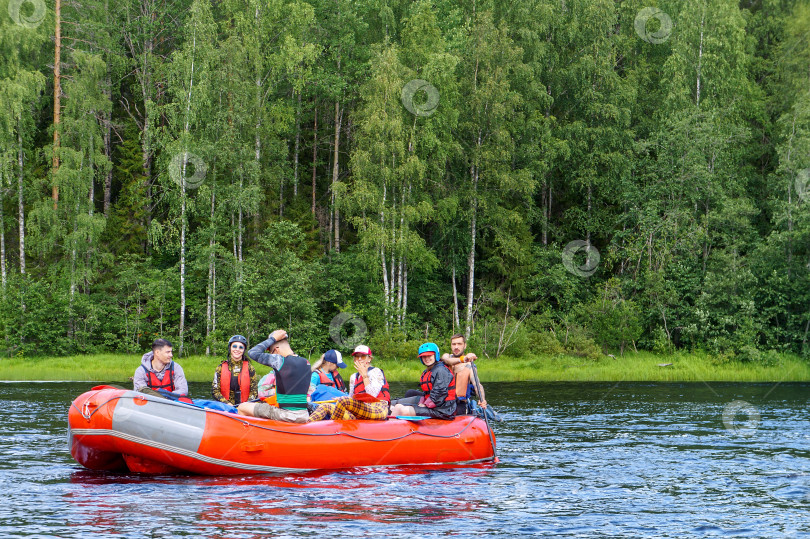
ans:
(226, 379)
(360, 390)
(153, 382)
(338, 383)
(426, 383)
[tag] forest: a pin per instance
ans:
(544, 176)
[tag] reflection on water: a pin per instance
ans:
(577, 460)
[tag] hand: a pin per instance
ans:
(279, 335)
(470, 357)
(362, 368)
(483, 404)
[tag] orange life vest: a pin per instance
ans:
(153, 382)
(225, 380)
(426, 383)
(338, 383)
(360, 390)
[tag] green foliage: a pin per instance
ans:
(684, 162)
(614, 322)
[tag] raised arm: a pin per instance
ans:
(258, 354)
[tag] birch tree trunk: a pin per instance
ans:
(297, 145)
(20, 198)
(588, 232)
(211, 277)
(546, 209)
(57, 94)
(183, 221)
(91, 195)
(314, 158)
(401, 268)
(456, 322)
(73, 256)
(107, 128)
(335, 168)
(107, 118)
(3, 274)
(471, 256)
(386, 288)
(700, 55)
(790, 200)
(404, 293)
(183, 253)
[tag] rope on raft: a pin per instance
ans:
(87, 416)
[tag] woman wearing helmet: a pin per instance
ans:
(438, 386)
(235, 380)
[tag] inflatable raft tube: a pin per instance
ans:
(117, 429)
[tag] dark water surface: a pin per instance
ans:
(577, 460)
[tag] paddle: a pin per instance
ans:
(412, 417)
(486, 420)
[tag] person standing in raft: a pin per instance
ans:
(325, 372)
(438, 386)
(368, 398)
(292, 381)
(235, 380)
(158, 371)
(459, 363)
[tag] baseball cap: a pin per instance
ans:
(333, 356)
(362, 349)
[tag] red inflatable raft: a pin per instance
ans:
(117, 429)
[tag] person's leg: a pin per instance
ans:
(363, 410)
(401, 409)
(248, 408)
(264, 410)
(324, 411)
(405, 406)
(291, 416)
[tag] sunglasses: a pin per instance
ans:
(237, 347)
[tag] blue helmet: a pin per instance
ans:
(428, 348)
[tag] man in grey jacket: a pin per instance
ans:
(159, 371)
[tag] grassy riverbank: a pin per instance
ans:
(642, 366)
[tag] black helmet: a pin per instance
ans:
(237, 338)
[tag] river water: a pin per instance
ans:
(576, 460)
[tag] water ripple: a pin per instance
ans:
(577, 460)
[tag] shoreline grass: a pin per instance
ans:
(632, 367)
